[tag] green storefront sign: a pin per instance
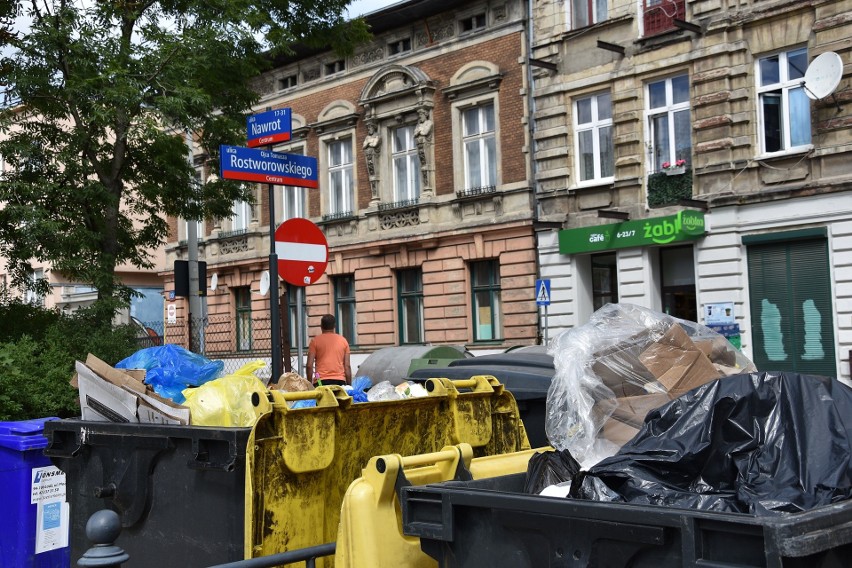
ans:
(685, 226)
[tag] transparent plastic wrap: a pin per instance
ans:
(626, 361)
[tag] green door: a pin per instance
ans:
(791, 306)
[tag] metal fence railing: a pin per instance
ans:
(223, 338)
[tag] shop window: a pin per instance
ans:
(784, 108)
(485, 281)
(604, 280)
(677, 269)
(593, 126)
(410, 293)
(344, 300)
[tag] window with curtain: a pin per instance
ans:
(593, 140)
(410, 294)
(669, 124)
(294, 325)
(344, 301)
(587, 12)
(784, 109)
(480, 146)
(485, 284)
(406, 165)
(240, 215)
(340, 174)
(242, 306)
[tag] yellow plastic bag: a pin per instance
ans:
(233, 400)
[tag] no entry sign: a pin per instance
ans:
(302, 251)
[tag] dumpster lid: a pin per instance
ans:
(526, 379)
(24, 435)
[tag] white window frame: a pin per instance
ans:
(31, 296)
(593, 13)
(240, 215)
(480, 138)
(669, 108)
(407, 159)
(595, 126)
(199, 228)
(345, 171)
(786, 86)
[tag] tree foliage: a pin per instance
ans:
(37, 358)
(105, 92)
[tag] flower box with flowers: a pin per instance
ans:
(674, 169)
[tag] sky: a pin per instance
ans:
(361, 7)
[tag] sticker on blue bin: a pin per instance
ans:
(48, 485)
(51, 526)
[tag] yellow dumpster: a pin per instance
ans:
(304, 460)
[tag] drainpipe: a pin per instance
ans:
(532, 150)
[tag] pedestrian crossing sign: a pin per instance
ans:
(542, 292)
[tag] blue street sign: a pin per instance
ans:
(542, 292)
(249, 164)
(268, 127)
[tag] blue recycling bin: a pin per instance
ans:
(34, 522)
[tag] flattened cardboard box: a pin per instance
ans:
(110, 394)
(677, 363)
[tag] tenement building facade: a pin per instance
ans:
(693, 156)
(424, 196)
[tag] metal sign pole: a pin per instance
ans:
(545, 324)
(300, 317)
(274, 315)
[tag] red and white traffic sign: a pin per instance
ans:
(302, 251)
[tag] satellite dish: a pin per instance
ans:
(264, 283)
(214, 282)
(823, 75)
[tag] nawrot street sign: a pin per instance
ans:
(685, 226)
(302, 251)
(265, 166)
(268, 127)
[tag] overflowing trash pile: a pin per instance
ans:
(171, 385)
(648, 409)
(626, 361)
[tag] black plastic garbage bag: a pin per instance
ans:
(550, 468)
(758, 443)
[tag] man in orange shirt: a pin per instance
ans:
(328, 356)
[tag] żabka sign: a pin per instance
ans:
(264, 166)
(686, 225)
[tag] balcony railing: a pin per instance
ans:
(659, 15)
(398, 204)
(338, 216)
(474, 191)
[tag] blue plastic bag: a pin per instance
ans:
(170, 368)
(359, 388)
